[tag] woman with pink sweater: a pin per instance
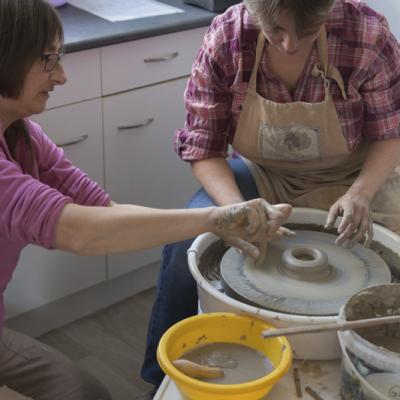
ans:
(47, 201)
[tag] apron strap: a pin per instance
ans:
(259, 52)
(327, 70)
(323, 49)
(334, 74)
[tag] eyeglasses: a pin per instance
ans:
(51, 60)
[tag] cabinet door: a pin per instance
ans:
(78, 130)
(141, 166)
(43, 276)
(84, 81)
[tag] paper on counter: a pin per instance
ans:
(124, 10)
(8, 394)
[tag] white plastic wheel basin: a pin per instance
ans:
(316, 346)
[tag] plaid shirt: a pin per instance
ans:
(360, 45)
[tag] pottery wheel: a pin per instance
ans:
(305, 274)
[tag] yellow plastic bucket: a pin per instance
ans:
(223, 328)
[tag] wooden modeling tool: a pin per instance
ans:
(335, 326)
(195, 370)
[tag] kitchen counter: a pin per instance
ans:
(86, 31)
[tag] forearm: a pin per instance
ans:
(216, 177)
(382, 158)
(122, 228)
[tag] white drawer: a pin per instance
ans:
(78, 130)
(142, 62)
(83, 79)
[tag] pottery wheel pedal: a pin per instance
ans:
(307, 274)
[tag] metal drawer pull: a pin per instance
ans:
(73, 141)
(162, 58)
(142, 124)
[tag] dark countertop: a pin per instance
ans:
(86, 31)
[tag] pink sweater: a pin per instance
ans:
(31, 205)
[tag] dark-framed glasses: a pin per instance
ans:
(51, 60)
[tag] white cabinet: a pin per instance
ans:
(140, 163)
(43, 276)
(135, 90)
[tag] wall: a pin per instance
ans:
(391, 10)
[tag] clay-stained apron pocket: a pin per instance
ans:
(292, 142)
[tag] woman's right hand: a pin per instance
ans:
(249, 225)
(356, 224)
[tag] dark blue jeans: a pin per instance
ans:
(176, 291)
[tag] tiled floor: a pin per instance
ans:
(110, 344)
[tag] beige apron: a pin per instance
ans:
(298, 152)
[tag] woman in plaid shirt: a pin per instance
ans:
(308, 93)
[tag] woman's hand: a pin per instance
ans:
(356, 224)
(249, 225)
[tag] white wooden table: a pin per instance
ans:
(321, 376)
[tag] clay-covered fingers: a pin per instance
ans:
(231, 224)
(277, 215)
(359, 227)
(244, 224)
(283, 231)
(274, 215)
(262, 247)
(349, 224)
(362, 226)
(242, 246)
(355, 224)
(258, 222)
(271, 217)
(333, 214)
(364, 232)
(370, 233)
(265, 219)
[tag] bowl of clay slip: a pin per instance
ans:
(200, 333)
(371, 356)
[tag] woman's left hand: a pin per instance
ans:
(356, 224)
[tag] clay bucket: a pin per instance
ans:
(371, 370)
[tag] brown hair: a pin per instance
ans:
(306, 13)
(27, 28)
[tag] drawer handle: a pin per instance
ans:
(162, 58)
(73, 141)
(142, 124)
